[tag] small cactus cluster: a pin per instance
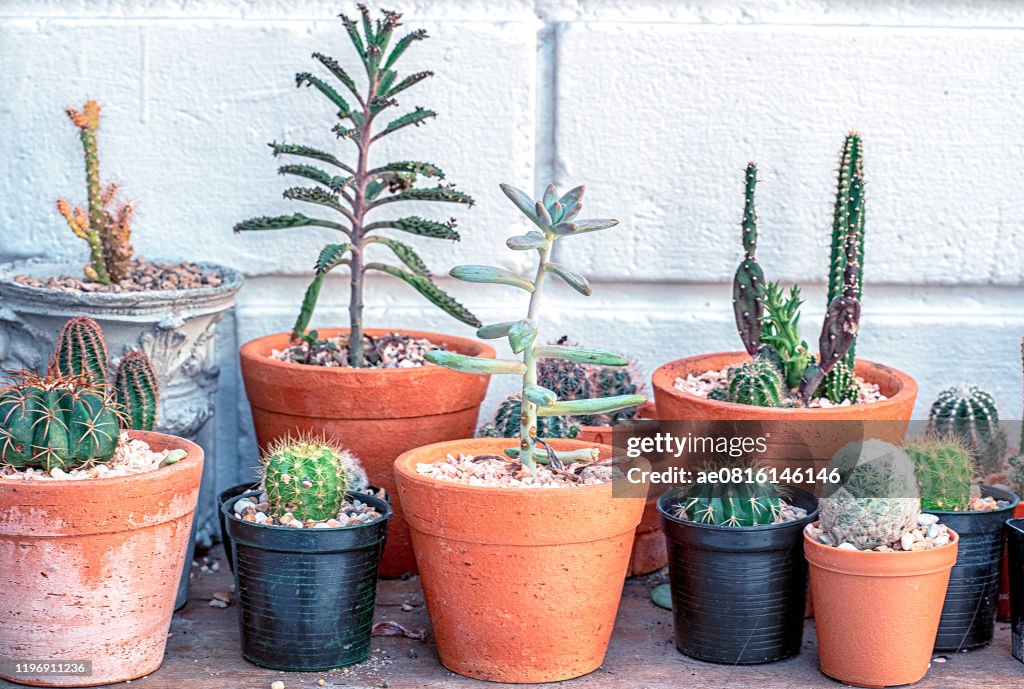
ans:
(106, 227)
(81, 350)
(945, 472)
(767, 318)
(756, 382)
(970, 413)
(309, 477)
(730, 503)
(878, 500)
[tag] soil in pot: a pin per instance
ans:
(1015, 548)
(116, 543)
(968, 615)
(376, 413)
(522, 583)
(306, 592)
(738, 593)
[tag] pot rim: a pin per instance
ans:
(812, 545)
(908, 388)
(1016, 524)
(811, 517)
(249, 351)
(388, 512)
(968, 513)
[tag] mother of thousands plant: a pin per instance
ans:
(554, 216)
(362, 188)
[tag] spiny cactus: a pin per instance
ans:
(570, 380)
(362, 188)
(1016, 462)
(970, 413)
(509, 415)
(840, 384)
(781, 333)
(756, 382)
(878, 500)
(137, 391)
(748, 285)
(730, 503)
(82, 350)
(555, 216)
(309, 477)
(106, 228)
(617, 382)
(55, 421)
(945, 472)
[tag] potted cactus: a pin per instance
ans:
(779, 377)
(305, 548)
(523, 550)
(737, 574)
(92, 506)
(380, 398)
(167, 310)
(878, 569)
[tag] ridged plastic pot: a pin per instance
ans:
(738, 593)
(306, 596)
(223, 497)
(1003, 612)
(522, 584)
(969, 613)
(877, 614)
(1015, 551)
(377, 413)
(89, 568)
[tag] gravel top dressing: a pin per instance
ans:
(144, 277)
(393, 350)
(352, 513)
(501, 472)
(702, 385)
(133, 456)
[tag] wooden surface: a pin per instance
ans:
(202, 653)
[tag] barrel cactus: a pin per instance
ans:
(840, 384)
(878, 500)
(136, 390)
(970, 413)
(508, 417)
(82, 350)
(730, 503)
(945, 472)
(55, 421)
(757, 382)
(309, 477)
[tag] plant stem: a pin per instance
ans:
(357, 271)
(528, 423)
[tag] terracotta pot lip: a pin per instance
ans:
(802, 522)
(225, 507)
(659, 379)
(868, 555)
(195, 454)
(405, 465)
(253, 351)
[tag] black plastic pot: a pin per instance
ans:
(306, 596)
(225, 495)
(738, 593)
(1015, 548)
(969, 613)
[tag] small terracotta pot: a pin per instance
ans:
(91, 567)
(376, 413)
(522, 585)
(877, 614)
(1003, 609)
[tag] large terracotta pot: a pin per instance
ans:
(91, 567)
(522, 585)
(877, 614)
(376, 413)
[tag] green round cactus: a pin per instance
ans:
(570, 380)
(730, 503)
(839, 385)
(507, 421)
(82, 350)
(756, 382)
(137, 391)
(309, 477)
(945, 472)
(56, 422)
(969, 412)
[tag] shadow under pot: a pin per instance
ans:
(306, 596)
(738, 592)
(969, 613)
(1015, 549)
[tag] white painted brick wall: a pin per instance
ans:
(656, 105)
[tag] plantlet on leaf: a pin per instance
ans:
(309, 477)
(555, 216)
(360, 189)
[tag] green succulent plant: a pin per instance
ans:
(969, 412)
(755, 382)
(945, 472)
(730, 503)
(309, 477)
(362, 189)
(507, 419)
(556, 219)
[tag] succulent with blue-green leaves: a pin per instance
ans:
(357, 191)
(556, 219)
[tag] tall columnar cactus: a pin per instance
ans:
(969, 412)
(309, 477)
(509, 415)
(945, 472)
(756, 382)
(748, 285)
(878, 500)
(56, 422)
(555, 217)
(730, 503)
(362, 188)
(106, 228)
(82, 350)
(137, 391)
(1016, 462)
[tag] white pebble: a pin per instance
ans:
(927, 519)
(941, 539)
(260, 518)
(294, 524)
(933, 531)
(321, 525)
(242, 504)
(907, 541)
(846, 546)
(277, 685)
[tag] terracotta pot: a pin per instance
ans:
(1003, 609)
(649, 552)
(522, 585)
(796, 445)
(376, 413)
(91, 567)
(877, 614)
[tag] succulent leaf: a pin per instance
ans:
(474, 364)
(331, 256)
(582, 355)
(597, 405)
(495, 330)
(540, 395)
(407, 255)
(434, 294)
(492, 275)
(572, 278)
(521, 335)
(525, 242)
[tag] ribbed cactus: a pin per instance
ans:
(509, 415)
(878, 500)
(309, 477)
(106, 228)
(969, 412)
(730, 503)
(82, 350)
(570, 380)
(945, 472)
(1016, 462)
(56, 421)
(756, 382)
(840, 384)
(137, 391)
(748, 283)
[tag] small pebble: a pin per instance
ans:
(277, 685)
(261, 518)
(218, 603)
(846, 546)
(320, 682)
(907, 541)
(927, 519)
(242, 504)
(933, 531)
(406, 607)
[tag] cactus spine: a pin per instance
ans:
(309, 477)
(945, 472)
(730, 503)
(82, 350)
(970, 413)
(137, 391)
(748, 283)
(756, 382)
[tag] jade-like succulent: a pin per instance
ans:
(361, 189)
(969, 412)
(756, 382)
(730, 503)
(309, 477)
(106, 228)
(945, 472)
(556, 219)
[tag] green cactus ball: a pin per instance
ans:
(309, 477)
